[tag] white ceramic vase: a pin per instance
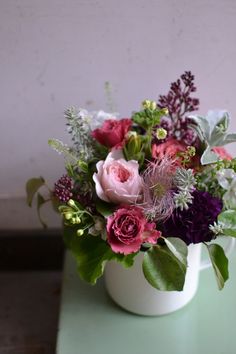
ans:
(130, 290)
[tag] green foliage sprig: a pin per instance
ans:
(148, 119)
(150, 116)
(78, 126)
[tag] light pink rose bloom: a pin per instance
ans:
(117, 180)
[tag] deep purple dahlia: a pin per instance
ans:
(192, 225)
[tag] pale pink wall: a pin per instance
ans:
(55, 53)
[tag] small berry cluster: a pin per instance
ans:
(63, 189)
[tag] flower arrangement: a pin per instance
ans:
(153, 183)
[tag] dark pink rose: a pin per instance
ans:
(221, 152)
(128, 228)
(170, 149)
(113, 132)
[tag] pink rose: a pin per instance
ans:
(221, 152)
(127, 229)
(117, 180)
(168, 149)
(113, 132)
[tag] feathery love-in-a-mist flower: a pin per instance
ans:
(158, 194)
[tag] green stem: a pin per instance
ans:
(148, 144)
(87, 227)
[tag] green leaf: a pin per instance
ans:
(32, 187)
(178, 248)
(227, 220)
(220, 264)
(163, 270)
(40, 202)
(91, 254)
(126, 261)
(105, 209)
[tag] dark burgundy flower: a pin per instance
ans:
(192, 225)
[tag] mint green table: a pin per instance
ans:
(90, 323)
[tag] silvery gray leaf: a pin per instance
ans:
(208, 157)
(203, 126)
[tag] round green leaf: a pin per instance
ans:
(220, 264)
(163, 270)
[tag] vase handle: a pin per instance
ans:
(229, 247)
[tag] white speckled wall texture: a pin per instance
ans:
(57, 53)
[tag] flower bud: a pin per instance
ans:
(78, 220)
(68, 216)
(134, 144)
(80, 232)
(148, 104)
(131, 134)
(165, 111)
(73, 220)
(153, 105)
(71, 203)
(161, 133)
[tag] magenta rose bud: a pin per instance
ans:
(128, 228)
(112, 133)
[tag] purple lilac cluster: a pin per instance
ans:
(192, 225)
(63, 188)
(179, 102)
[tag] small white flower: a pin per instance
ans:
(161, 133)
(98, 228)
(216, 229)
